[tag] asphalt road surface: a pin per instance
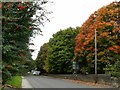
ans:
(49, 82)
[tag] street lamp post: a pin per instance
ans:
(95, 57)
(95, 51)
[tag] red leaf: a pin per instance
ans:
(0, 5)
(26, 2)
(21, 7)
(20, 54)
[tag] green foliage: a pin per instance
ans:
(114, 70)
(18, 25)
(61, 51)
(41, 58)
(15, 81)
(109, 69)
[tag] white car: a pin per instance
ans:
(36, 73)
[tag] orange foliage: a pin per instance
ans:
(115, 49)
(104, 21)
(90, 48)
(104, 34)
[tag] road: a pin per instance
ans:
(49, 82)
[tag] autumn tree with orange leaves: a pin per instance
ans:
(106, 21)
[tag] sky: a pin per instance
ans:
(66, 13)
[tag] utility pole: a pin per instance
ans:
(95, 57)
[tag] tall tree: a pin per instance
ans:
(105, 21)
(42, 57)
(18, 25)
(61, 51)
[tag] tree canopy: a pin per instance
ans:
(61, 51)
(18, 25)
(42, 58)
(106, 21)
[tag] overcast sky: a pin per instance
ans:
(66, 13)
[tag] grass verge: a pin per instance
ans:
(15, 81)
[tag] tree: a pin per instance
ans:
(61, 51)
(108, 38)
(18, 25)
(41, 58)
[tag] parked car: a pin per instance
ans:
(36, 73)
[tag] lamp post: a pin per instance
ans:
(95, 57)
(95, 52)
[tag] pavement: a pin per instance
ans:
(25, 83)
(49, 82)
